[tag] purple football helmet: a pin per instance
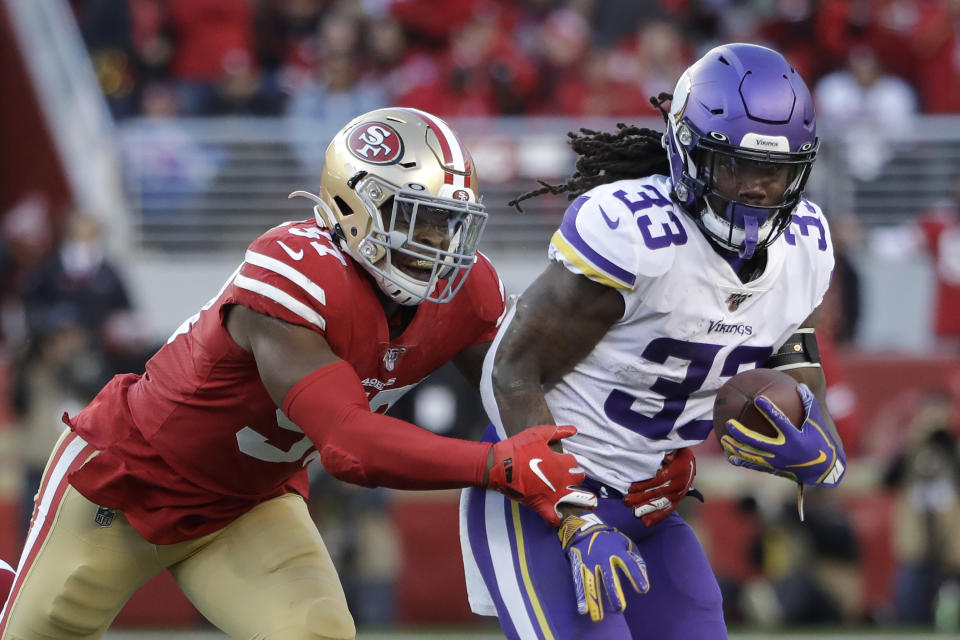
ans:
(740, 112)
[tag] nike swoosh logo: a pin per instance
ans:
(535, 467)
(296, 255)
(613, 224)
(821, 458)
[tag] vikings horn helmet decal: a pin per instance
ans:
(741, 107)
(399, 191)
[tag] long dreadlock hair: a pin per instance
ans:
(629, 152)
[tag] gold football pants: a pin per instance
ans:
(267, 575)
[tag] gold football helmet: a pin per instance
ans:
(399, 191)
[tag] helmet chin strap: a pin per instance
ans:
(750, 238)
(751, 219)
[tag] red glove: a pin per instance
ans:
(526, 469)
(654, 499)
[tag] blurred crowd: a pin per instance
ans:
(67, 323)
(336, 58)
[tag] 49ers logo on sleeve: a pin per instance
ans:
(376, 143)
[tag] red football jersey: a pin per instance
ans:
(196, 440)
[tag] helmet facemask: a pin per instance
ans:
(400, 194)
(742, 225)
(418, 241)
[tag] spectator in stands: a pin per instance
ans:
(860, 98)
(791, 27)
(647, 64)
(212, 42)
(940, 237)
(107, 31)
(435, 21)
(485, 71)
(934, 232)
(926, 516)
(79, 277)
(26, 237)
(82, 330)
(410, 75)
(561, 46)
(935, 42)
(615, 20)
(810, 570)
(337, 89)
(286, 33)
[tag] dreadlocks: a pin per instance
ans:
(630, 152)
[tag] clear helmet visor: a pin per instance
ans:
(428, 245)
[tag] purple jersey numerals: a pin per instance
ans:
(806, 223)
(699, 357)
(669, 234)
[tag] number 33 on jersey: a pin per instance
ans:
(689, 322)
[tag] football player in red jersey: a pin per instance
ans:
(198, 465)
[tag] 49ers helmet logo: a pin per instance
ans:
(376, 143)
(461, 195)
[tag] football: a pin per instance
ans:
(735, 400)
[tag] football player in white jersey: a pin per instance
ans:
(684, 259)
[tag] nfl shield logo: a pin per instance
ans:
(104, 517)
(390, 357)
(737, 299)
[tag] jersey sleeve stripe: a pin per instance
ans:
(588, 269)
(288, 272)
(282, 298)
(569, 233)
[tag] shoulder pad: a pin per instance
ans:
(485, 291)
(809, 228)
(619, 232)
(810, 233)
(290, 272)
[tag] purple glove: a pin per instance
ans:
(807, 454)
(598, 553)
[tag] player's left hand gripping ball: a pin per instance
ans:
(807, 454)
(526, 469)
(600, 558)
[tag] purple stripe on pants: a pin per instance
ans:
(683, 602)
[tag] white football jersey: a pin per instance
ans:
(689, 323)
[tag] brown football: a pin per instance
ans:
(735, 400)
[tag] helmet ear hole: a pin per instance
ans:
(345, 209)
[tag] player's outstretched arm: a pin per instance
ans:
(323, 396)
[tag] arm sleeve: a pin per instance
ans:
(370, 449)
